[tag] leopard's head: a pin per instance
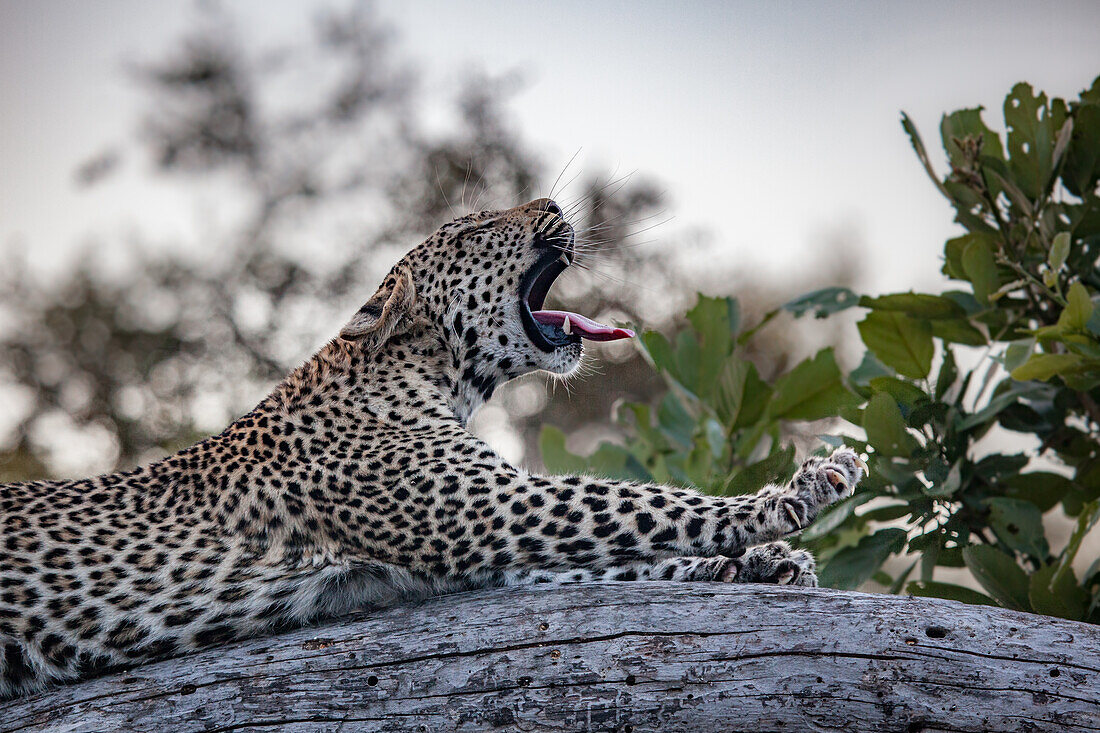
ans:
(477, 286)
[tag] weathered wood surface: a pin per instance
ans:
(618, 657)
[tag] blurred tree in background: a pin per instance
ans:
(315, 171)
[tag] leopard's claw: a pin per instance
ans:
(793, 515)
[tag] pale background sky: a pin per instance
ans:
(771, 124)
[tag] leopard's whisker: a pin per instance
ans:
(562, 173)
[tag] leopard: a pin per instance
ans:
(355, 485)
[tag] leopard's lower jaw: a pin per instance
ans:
(569, 359)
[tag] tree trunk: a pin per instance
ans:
(618, 657)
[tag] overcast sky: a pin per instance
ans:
(772, 124)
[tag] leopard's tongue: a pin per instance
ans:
(586, 328)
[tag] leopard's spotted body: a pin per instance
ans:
(355, 484)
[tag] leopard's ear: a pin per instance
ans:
(386, 313)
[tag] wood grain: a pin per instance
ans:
(617, 657)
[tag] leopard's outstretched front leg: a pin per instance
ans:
(646, 523)
(498, 519)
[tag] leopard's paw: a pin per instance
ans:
(847, 462)
(818, 483)
(774, 563)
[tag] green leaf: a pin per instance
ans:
(953, 254)
(950, 483)
(950, 591)
(1052, 594)
(947, 376)
(772, 469)
(958, 331)
(1078, 308)
(1086, 379)
(689, 359)
(966, 301)
(1059, 251)
(885, 427)
(930, 555)
(1057, 332)
(833, 517)
(921, 151)
(642, 424)
(1055, 586)
(1093, 325)
(748, 333)
(812, 390)
(899, 341)
(956, 131)
(747, 442)
(659, 350)
(917, 305)
(1041, 488)
(1065, 134)
(1087, 478)
(822, 303)
(741, 395)
(999, 574)
(1045, 366)
(698, 464)
(1017, 353)
(1030, 139)
(969, 204)
(853, 566)
(869, 368)
(996, 466)
(998, 175)
(1082, 162)
(716, 437)
(1001, 401)
(1086, 520)
(903, 392)
(615, 461)
(903, 576)
(980, 268)
(554, 454)
(717, 321)
(966, 123)
(1019, 524)
(609, 460)
(674, 422)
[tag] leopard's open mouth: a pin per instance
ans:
(551, 330)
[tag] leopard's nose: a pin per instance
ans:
(548, 205)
